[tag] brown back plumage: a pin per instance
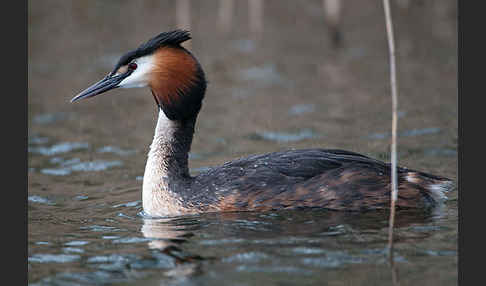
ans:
(315, 178)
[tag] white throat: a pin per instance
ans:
(166, 169)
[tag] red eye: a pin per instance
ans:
(132, 66)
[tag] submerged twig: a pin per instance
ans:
(393, 82)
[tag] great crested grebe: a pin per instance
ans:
(311, 178)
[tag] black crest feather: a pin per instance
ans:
(171, 38)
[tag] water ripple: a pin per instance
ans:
(407, 133)
(282, 137)
(60, 148)
(115, 150)
(53, 258)
(76, 243)
(40, 200)
(248, 257)
(76, 165)
(301, 109)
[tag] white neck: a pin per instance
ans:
(166, 172)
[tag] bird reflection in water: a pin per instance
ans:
(167, 235)
(326, 231)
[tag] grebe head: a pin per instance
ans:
(173, 74)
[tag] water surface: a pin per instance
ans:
(287, 86)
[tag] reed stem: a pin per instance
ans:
(394, 94)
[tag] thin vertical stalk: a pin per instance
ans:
(332, 16)
(332, 11)
(394, 94)
(255, 17)
(225, 15)
(183, 17)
